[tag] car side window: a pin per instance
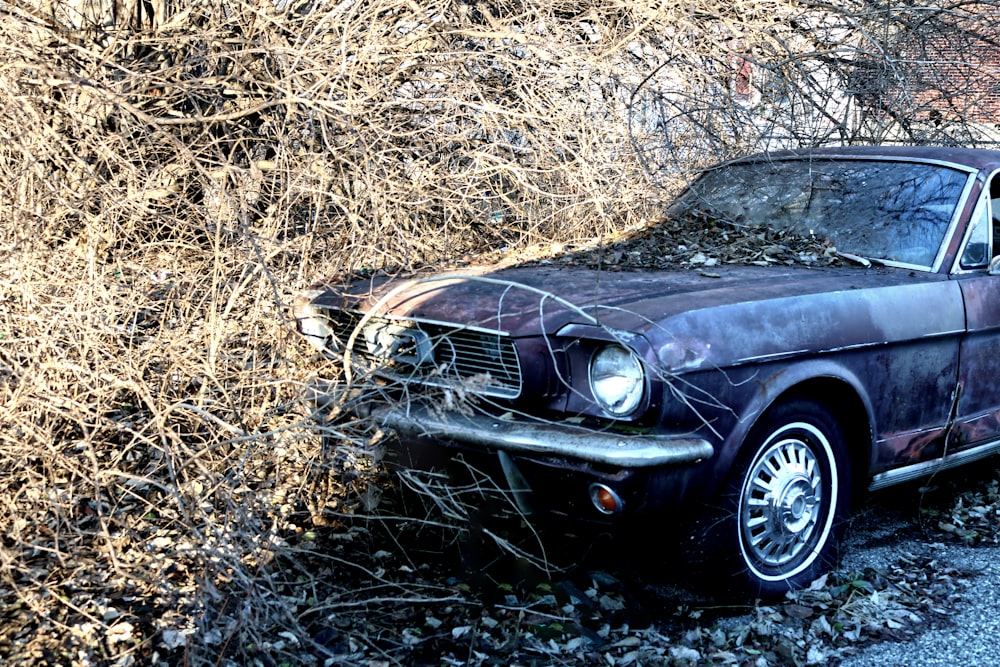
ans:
(995, 215)
(994, 212)
(979, 246)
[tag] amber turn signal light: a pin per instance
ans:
(605, 499)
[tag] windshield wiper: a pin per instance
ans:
(858, 259)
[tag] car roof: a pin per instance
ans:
(976, 158)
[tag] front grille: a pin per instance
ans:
(432, 353)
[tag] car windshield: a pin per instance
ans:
(892, 211)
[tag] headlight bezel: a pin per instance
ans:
(312, 322)
(615, 363)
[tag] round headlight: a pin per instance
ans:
(617, 380)
(314, 325)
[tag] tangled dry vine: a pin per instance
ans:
(171, 176)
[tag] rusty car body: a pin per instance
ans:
(763, 397)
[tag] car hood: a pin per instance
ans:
(530, 300)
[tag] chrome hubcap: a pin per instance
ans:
(781, 503)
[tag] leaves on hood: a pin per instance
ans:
(701, 244)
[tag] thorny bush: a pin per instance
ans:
(163, 494)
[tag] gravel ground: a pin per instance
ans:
(885, 529)
(973, 636)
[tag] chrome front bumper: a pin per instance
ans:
(546, 439)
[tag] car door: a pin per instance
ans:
(978, 402)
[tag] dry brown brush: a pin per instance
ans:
(167, 185)
(164, 194)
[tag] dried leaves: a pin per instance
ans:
(973, 517)
(433, 611)
(389, 590)
(698, 243)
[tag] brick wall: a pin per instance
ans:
(956, 75)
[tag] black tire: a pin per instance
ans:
(787, 501)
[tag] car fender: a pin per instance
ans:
(791, 379)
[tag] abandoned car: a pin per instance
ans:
(762, 394)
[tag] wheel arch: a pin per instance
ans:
(838, 393)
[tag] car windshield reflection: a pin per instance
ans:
(887, 211)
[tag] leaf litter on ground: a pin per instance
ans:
(420, 600)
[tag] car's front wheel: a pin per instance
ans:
(788, 499)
